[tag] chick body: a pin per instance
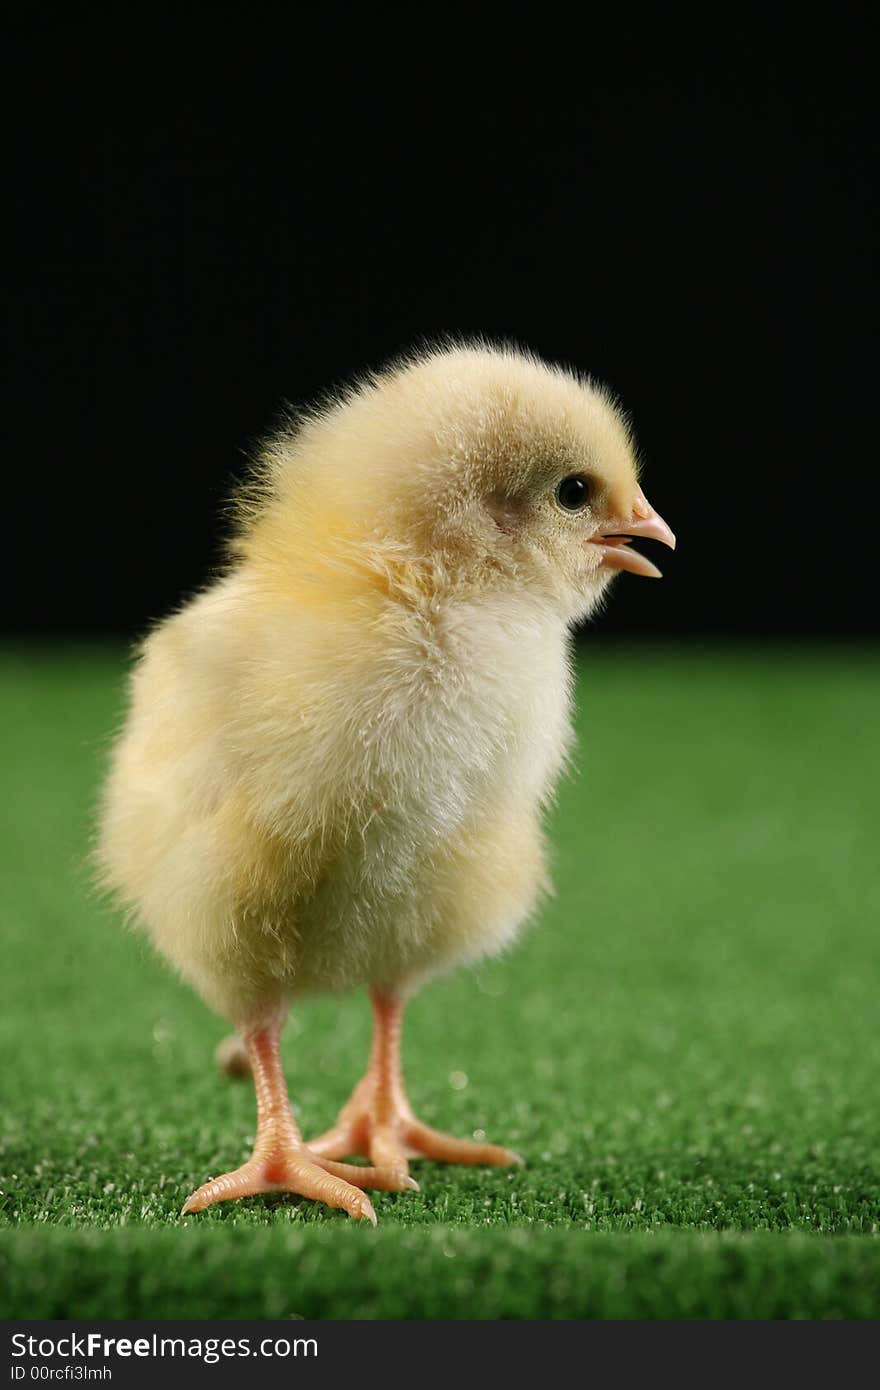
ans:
(309, 799)
(336, 758)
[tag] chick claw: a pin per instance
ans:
(297, 1171)
(378, 1121)
(281, 1162)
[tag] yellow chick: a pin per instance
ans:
(335, 760)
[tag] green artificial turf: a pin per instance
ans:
(684, 1047)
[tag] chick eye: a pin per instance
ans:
(573, 493)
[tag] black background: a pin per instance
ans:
(218, 209)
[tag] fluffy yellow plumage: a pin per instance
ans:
(334, 765)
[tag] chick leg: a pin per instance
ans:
(281, 1162)
(378, 1120)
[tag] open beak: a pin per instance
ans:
(614, 536)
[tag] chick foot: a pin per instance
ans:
(281, 1162)
(378, 1121)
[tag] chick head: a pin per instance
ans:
(472, 468)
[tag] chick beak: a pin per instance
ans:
(614, 536)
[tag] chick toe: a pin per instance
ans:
(433, 1143)
(391, 1178)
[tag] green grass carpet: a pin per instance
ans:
(685, 1046)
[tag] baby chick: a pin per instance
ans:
(335, 760)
